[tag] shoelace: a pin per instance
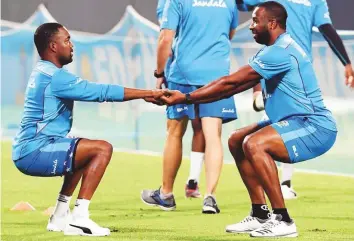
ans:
(271, 224)
(247, 219)
(154, 193)
(209, 201)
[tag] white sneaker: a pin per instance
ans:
(288, 192)
(84, 226)
(275, 228)
(248, 224)
(57, 223)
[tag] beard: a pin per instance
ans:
(64, 60)
(262, 37)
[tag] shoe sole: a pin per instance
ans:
(74, 231)
(156, 205)
(193, 196)
(52, 228)
(291, 235)
(209, 210)
(232, 231)
(85, 234)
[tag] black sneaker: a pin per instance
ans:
(210, 206)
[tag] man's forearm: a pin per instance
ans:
(132, 94)
(226, 94)
(163, 53)
(227, 86)
(211, 92)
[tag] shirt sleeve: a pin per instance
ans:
(68, 86)
(234, 22)
(321, 15)
(249, 2)
(270, 62)
(159, 9)
(171, 15)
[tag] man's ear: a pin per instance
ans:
(53, 46)
(273, 24)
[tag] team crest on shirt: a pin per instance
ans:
(209, 3)
(282, 124)
(303, 2)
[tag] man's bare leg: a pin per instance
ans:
(90, 161)
(172, 155)
(196, 159)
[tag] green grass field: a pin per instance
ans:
(324, 210)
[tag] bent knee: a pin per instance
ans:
(251, 145)
(235, 141)
(105, 148)
(176, 129)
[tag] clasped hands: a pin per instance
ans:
(166, 97)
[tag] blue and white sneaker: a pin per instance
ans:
(152, 198)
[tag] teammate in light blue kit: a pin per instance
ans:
(198, 141)
(200, 54)
(299, 126)
(42, 148)
(302, 17)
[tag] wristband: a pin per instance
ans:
(159, 75)
(188, 98)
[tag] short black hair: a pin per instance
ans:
(277, 11)
(44, 34)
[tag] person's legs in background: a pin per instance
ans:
(196, 158)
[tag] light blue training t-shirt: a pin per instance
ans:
(201, 51)
(49, 103)
(289, 84)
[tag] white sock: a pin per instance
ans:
(197, 159)
(81, 208)
(209, 195)
(287, 171)
(62, 206)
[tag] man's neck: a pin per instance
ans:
(275, 35)
(52, 60)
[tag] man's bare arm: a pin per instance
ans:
(164, 48)
(245, 78)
